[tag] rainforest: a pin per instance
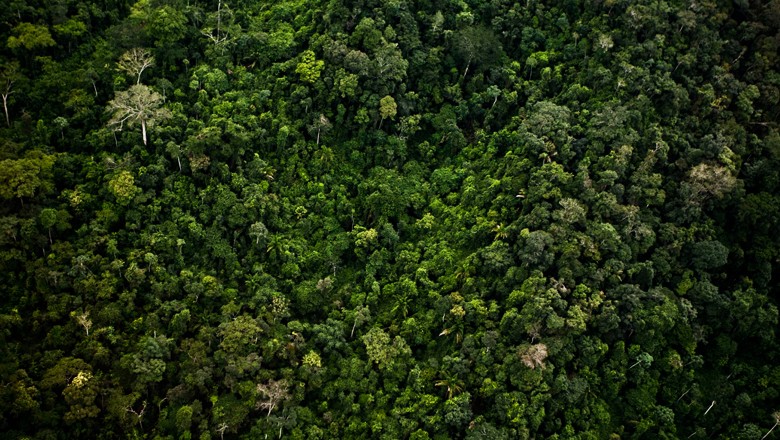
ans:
(389, 219)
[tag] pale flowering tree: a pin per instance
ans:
(534, 356)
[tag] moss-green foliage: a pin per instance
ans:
(389, 220)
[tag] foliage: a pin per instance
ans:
(389, 220)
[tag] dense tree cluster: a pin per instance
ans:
(389, 219)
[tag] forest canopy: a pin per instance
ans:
(394, 219)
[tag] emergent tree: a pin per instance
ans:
(138, 104)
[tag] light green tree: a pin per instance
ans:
(309, 68)
(30, 36)
(27, 176)
(80, 394)
(381, 350)
(123, 187)
(387, 108)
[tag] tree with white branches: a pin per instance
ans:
(776, 416)
(274, 393)
(135, 61)
(84, 321)
(139, 104)
(9, 75)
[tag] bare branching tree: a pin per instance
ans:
(362, 315)
(138, 414)
(135, 61)
(776, 416)
(218, 24)
(221, 429)
(84, 321)
(8, 77)
(274, 392)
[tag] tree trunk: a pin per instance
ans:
(219, 20)
(5, 109)
(770, 431)
(143, 130)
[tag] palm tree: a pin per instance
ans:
(501, 231)
(276, 246)
(454, 386)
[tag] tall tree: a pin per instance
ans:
(477, 45)
(273, 393)
(9, 75)
(137, 105)
(135, 61)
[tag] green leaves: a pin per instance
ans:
(477, 45)
(30, 36)
(26, 177)
(709, 254)
(565, 228)
(123, 187)
(387, 107)
(381, 350)
(309, 68)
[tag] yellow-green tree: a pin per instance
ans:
(309, 68)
